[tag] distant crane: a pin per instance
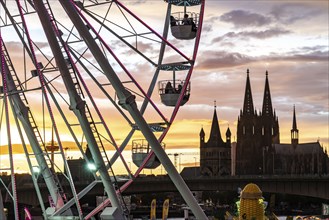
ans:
(52, 146)
(178, 155)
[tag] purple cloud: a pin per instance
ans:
(223, 59)
(241, 19)
(220, 59)
(290, 13)
(275, 32)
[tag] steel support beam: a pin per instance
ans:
(127, 101)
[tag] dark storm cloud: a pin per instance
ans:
(241, 19)
(290, 13)
(274, 32)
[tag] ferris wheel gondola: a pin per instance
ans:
(184, 24)
(170, 90)
(140, 150)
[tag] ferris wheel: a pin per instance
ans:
(93, 64)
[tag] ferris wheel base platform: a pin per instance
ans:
(110, 213)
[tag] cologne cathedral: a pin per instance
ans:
(256, 133)
(258, 149)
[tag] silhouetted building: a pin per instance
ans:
(215, 154)
(258, 149)
(299, 158)
(256, 132)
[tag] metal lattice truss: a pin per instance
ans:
(76, 68)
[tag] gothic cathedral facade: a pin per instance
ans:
(258, 149)
(256, 133)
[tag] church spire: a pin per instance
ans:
(294, 130)
(215, 136)
(294, 122)
(267, 102)
(248, 106)
(202, 135)
(228, 136)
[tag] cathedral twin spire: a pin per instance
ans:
(267, 102)
(254, 132)
(248, 105)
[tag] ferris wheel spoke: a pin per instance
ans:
(122, 66)
(135, 48)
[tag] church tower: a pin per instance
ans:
(256, 133)
(269, 130)
(215, 154)
(294, 130)
(248, 159)
(270, 123)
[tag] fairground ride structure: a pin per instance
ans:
(79, 66)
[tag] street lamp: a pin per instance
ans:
(180, 162)
(36, 170)
(91, 166)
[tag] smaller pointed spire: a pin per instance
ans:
(294, 121)
(294, 130)
(202, 134)
(228, 132)
(228, 137)
(215, 136)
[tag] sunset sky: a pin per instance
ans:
(289, 39)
